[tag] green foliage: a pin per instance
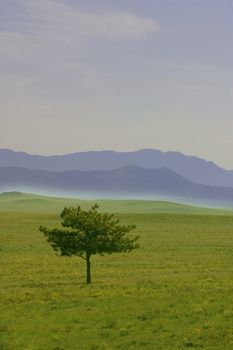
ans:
(88, 233)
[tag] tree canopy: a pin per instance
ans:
(86, 233)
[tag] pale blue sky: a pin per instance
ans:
(126, 74)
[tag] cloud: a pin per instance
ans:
(47, 41)
(63, 22)
(55, 22)
(48, 30)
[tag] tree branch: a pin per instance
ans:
(80, 256)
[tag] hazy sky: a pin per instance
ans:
(117, 74)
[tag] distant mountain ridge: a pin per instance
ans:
(125, 182)
(193, 168)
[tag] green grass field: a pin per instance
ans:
(174, 292)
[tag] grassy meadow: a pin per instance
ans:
(174, 292)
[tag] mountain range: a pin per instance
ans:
(125, 182)
(192, 168)
(147, 174)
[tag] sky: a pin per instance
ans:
(117, 74)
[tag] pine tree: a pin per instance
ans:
(86, 233)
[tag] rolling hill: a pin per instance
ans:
(28, 202)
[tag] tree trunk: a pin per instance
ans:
(88, 262)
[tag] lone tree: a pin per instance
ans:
(87, 233)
